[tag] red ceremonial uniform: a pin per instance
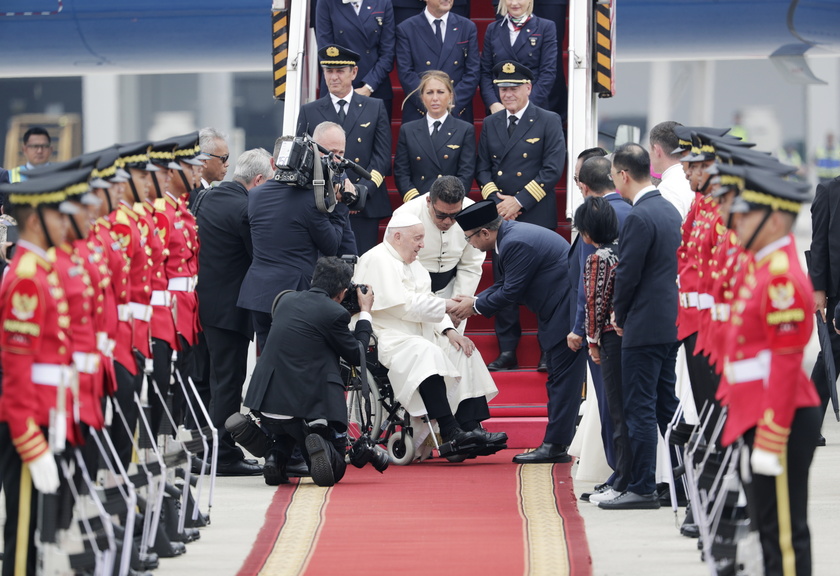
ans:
(182, 268)
(81, 298)
(163, 324)
(772, 319)
(687, 269)
(36, 351)
(733, 262)
(709, 265)
(132, 232)
(113, 270)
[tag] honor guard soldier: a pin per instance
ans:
(368, 133)
(369, 29)
(772, 405)
(434, 146)
(39, 382)
(521, 154)
(525, 38)
(437, 39)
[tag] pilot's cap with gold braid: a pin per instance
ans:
(684, 135)
(188, 150)
(763, 190)
(335, 56)
(49, 190)
(136, 155)
(510, 73)
(162, 154)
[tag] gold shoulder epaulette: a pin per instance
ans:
(160, 204)
(122, 217)
(779, 263)
(27, 265)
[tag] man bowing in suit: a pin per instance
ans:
(438, 40)
(368, 132)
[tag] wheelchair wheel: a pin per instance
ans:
(401, 448)
(356, 409)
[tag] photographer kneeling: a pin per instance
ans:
(297, 384)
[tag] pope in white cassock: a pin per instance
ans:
(432, 368)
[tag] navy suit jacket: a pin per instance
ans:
(419, 162)
(534, 272)
(368, 134)
(535, 47)
(224, 258)
(646, 299)
(371, 34)
(824, 267)
(419, 51)
(527, 164)
(288, 234)
(577, 262)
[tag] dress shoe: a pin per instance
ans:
(821, 440)
(542, 366)
(491, 437)
(631, 501)
(460, 439)
(663, 492)
(297, 469)
(273, 472)
(239, 468)
(599, 489)
(608, 494)
(505, 361)
(320, 461)
(546, 454)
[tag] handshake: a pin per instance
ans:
(460, 308)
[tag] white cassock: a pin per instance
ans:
(408, 321)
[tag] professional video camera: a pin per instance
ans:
(297, 167)
(351, 297)
(364, 451)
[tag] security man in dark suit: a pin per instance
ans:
(368, 134)
(535, 46)
(521, 155)
(438, 40)
(434, 146)
(367, 27)
(224, 259)
(824, 270)
(297, 385)
(645, 306)
(534, 272)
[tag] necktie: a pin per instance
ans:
(438, 31)
(435, 132)
(511, 125)
(341, 113)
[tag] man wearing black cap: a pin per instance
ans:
(521, 154)
(37, 359)
(772, 405)
(535, 273)
(368, 133)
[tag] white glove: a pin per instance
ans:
(44, 473)
(765, 463)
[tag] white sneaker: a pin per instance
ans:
(604, 496)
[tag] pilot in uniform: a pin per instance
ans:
(368, 134)
(772, 404)
(39, 380)
(454, 50)
(519, 161)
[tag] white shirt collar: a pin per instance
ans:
(642, 192)
(518, 114)
(431, 121)
(347, 98)
(772, 247)
(431, 19)
(33, 248)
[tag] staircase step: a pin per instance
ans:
(523, 432)
(520, 387)
(528, 352)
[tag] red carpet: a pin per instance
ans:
(486, 516)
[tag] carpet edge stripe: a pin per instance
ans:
(577, 542)
(275, 518)
(547, 547)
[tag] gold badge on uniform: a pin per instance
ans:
(508, 68)
(453, 146)
(532, 140)
(781, 295)
(23, 306)
(365, 125)
(533, 40)
(332, 51)
(379, 20)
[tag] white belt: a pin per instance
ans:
(757, 368)
(161, 298)
(688, 299)
(105, 344)
(705, 301)
(86, 363)
(183, 284)
(140, 312)
(53, 374)
(720, 312)
(123, 312)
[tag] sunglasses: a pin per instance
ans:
(445, 215)
(224, 158)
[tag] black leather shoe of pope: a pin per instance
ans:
(546, 454)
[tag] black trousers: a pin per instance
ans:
(127, 386)
(162, 374)
(778, 505)
(818, 375)
(566, 374)
(704, 383)
(229, 364)
(289, 433)
(195, 363)
(611, 372)
(468, 415)
(508, 328)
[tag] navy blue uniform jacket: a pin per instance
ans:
(535, 48)
(371, 34)
(419, 162)
(368, 143)
(535, 272)
(527, 164)
(646, 300)
(288, 233)
(419, 51)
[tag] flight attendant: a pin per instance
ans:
(436, 145)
